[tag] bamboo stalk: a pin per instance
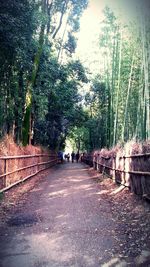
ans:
(118, 90)
(127, 99)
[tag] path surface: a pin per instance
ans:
(68, 220)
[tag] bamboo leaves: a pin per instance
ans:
(125, 73)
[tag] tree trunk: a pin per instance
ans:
(27, 127)
(118, 90)
(64, 7)
(127, 99)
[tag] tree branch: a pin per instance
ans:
(64, 7)
(49, 7)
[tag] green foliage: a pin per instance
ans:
(38, 95)
(62, 110)
(40, 82)
(16, 29)
(70, 46)
(119, 102)
(79, 138)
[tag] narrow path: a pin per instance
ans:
(66, 220)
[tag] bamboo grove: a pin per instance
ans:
(41, 79)
(119, 98)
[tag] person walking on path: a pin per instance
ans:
(77, 157)
(72, 156)
(60, 156)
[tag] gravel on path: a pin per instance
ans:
(74, 217)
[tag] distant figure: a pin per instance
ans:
(72, 156)
(77, 156)
(82, 157)
(60, 156)
(68, 157)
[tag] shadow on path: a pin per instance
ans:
(72, 218)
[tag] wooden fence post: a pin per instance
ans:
(124, 169)
(5, 171)
(114, 168)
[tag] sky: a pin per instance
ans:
(90, 25)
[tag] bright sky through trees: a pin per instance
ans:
(90, 25)
(46, 74)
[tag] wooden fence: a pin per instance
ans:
(131, 171)
(16, 169)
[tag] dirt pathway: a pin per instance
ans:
(73, 219)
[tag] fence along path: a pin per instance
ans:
(16, 169)
(132, 171)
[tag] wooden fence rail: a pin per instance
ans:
(131, 171)
(17, 169)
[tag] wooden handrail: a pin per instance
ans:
(6, 159)
(130, 156)
(26, 167)
(130, 172)
(26, 156)
(23, 180)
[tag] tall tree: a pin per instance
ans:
(48, 8)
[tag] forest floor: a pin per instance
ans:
(72, 216)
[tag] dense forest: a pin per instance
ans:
(41, 80)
